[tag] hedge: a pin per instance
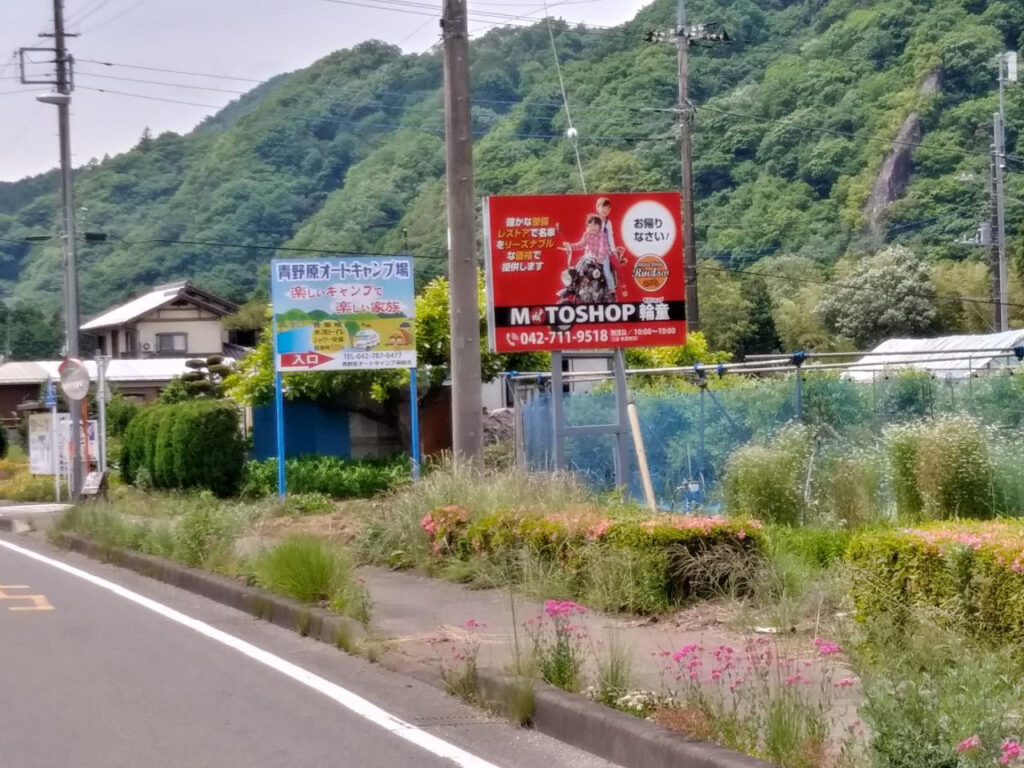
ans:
(194, 444)
(972, 572)
(586, 545)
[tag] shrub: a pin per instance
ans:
(928, 689)
(164, 468)
(848, 490)
(207, 446)
(903, 444)
(972, 572)
(328, 475)
(767, 481)
(120, 412)
(817, 547)
(194, 444)
(18, 484)
(203, 532)
(954, 471)
(631, 563)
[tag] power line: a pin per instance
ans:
(151, 98)
(115, 17)
(162, 83)
(384, 126)
(168, 71)
(88, 11)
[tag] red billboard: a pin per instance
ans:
(584, 271)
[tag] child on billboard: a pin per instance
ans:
(591, 279)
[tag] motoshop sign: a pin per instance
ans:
(584, 271)
(343, 314)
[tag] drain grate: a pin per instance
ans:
(456, 721)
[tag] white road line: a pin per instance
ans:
(351, 701)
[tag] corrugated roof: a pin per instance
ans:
(136, 307)
(945, 357)
(157, 370)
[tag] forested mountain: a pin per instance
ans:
(825, 131)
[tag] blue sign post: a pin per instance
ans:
(345, 314)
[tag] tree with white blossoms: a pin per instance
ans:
(886, 295)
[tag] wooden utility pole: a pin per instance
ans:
(467, 402)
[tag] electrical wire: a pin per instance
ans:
(86, 12)
(151, 98)
(161, 83)
(167, 71)
(115, 17)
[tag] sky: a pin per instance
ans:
(239, 41)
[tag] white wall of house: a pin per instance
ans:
(203, 337)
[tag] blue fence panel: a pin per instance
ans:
(309, 429)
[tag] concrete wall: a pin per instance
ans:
(370, 439)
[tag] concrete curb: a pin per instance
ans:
(607, 733)
(307, 620)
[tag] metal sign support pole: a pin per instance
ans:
(282, 486)
(414, 423)
(702, 461)
(101, 403)
(279, 417)
(557, 410)
(622, 421)
(55, 452)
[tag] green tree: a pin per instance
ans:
(30, 333)
(888, 294)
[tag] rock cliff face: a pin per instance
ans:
(894, 174)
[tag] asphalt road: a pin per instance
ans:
(133, 673)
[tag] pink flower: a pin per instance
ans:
(846, 682)
(735, 684)
(555, 608)
(427, 524)
(685, 651)
(825, 648)
(473, 624)
(972, 742)
(598, 529)
(1011, 749)
(793, 679)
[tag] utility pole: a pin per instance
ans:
(62, 99)
(467, 402)
(1000, 279)
(684, 35)
(999, 270)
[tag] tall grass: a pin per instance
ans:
(927, 688)
(311, 570)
